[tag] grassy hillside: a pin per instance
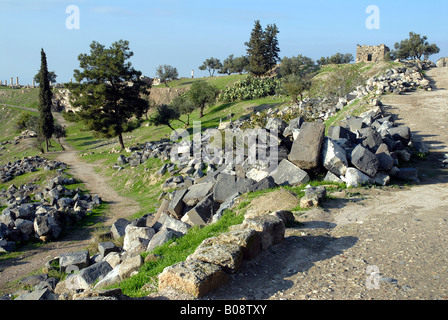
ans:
(20, 97)
(220, 82)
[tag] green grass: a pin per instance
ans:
(220, 82)
(20, 97)
(172, 254)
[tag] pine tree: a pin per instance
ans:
(271, 46)
(263, 49)
(256, 51)
(46, 121)
(108, 90)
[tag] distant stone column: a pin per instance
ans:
(192, 74)
(34, 83)
(12, 82)
(17, 81)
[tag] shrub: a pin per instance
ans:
(249, 89)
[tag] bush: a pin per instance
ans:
(27, 121)
(250, 89)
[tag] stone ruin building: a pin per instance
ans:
(371, 53)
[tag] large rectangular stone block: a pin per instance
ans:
(365, 161)
(305, 151)
(288, 174)
(193, 277)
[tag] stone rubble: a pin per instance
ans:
(40, 212)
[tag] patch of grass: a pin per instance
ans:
(175, 251)
(20, 97)
(220, 82)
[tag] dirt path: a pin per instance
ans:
(32, 259)
(387, 244)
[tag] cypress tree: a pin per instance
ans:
(256, 51)
(271, 46)
(262, 49)
(46, 121)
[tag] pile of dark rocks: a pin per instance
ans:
(33, 212)
(29, 164)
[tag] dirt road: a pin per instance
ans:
(387, 244)
(32, 259)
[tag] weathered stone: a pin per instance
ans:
(74, 260)
(224, 187)
(286, 216)
(113, 258)
(384, 157)
(334, 157)
(118, 228)
(371, 139)
(270, 228)
(305, 152)
(355, 178)
(26, 227)
(288, 173)
(276, 124)
(111, 278)
(406, 174)
(162, 170)
(337, 132)
(164, 235)
(229, 256)
(90, 275)
(197, 192)
(136, 239)
(365, 161)
(355, 123)
(381, 178)
(171, 223)
(47, 226)
(43, 294)
(246, 238)
(34, 280)
(202, 213)
(4, 231)
(331, 177)
(265, 183)
(105, 248)
(193, 277)
(401, 133)
(130, 265)
(313, 197)
(176, 206)
(24, 211)
(122, 160)
(7, 246)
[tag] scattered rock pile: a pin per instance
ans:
(41, 212)
(29, 164)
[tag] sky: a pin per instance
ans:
(184, 33)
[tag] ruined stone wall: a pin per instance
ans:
(442, 62)
(371, 53)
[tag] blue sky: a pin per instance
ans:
(184, 33)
